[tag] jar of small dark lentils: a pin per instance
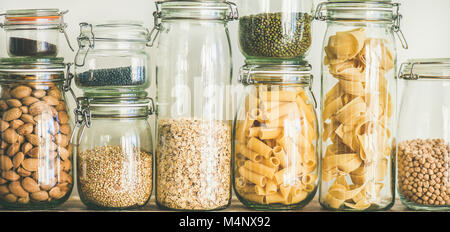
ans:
(34, 32)
(112, 59)
(274, 30)
(36, 153)
(423, 149)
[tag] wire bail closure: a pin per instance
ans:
(81, 45)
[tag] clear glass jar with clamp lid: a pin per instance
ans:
(423, 136)
(114, 152)
(275, 138)
(34, 32)
(112, 59)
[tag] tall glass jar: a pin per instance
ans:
(193, 152)
(275, 138)
(34, 32)
(36, 154)
(114, 152)
(112, 59)
(423, 151)
(358, 99)
(275, 31)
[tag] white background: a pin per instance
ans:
(426, 25)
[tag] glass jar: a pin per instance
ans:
(423, 150)
(358, 99)
(34, 32)
(275, 138)
(275, 31)
(114, 152)
(112, 59)
(193, 153)
(36, 154)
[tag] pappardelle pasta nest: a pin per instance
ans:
(275, 146)
(356, 115)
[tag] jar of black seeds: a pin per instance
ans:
(274, 31)
(112, 59)
(34, 32)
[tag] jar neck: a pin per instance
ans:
(119, 45)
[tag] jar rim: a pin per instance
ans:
(48, 18)
(12, 64)
(276, 74)
(370, 10)
(98, 106)
(425, 68)
(195, 9)
(114, 30)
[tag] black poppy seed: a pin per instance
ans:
(122, 76)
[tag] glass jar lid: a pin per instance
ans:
(23, 18)
(127, 31)
(196, 9)
(120, 107)
(415, 69)
(276, 74)
(45, 69)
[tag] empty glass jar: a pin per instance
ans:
(358, 104)
(193, 162)
(34, 32)
(275, 138)
(423, 151)
(36, 154)
(114, 152)
(112, 59)
(275, 31)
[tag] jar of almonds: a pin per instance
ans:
(423, 150)
(36, 154)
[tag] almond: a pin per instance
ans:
(24, 109)
(18, 159)
(16, 188)
(26, 147)
(3, 190)
(55, 192)
(51, 100)
(3, 181)
(63, 117)
(54, 92)
(28, 119)
(3, 125)
(61, 106)
(33, 139)
(62, 140)
(39, 196)
(30, 185)
(65, 129)
(31, 164)
(39, 107)
(65, 177)
(39, 93)
(63, 153)
(10, 136)
(64, 187)
(10, 175)
(11, 114)
(5, 163)
(3, 145)
(14, 103)
(13, 149)
(23, 200)
(21, 92)
(14, 124)
(25, 129)
(10, 198)
(29, 100)
(34, 152)
(21, 139)
(23, 172)
(3, 105)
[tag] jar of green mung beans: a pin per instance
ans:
(274, 31)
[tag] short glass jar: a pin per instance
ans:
(275, 138)
(194, 69)
(114, 152)
(112, 59)
(36, 154)
(423, 137)
(34, 32)
(275, 31)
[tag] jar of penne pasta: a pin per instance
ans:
(275, 138)
(358, 98)
(423, 149)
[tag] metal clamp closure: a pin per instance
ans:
(82, 38)
(82, 117)
(319, 15)
(156, 25)
(151, 109)
(63, 27)
(396, 27)
(234, 13)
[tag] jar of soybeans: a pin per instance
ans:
(36, 153)
(423, 149)
(358, 104)
(275, 138)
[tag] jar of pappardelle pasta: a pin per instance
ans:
(423, 149)
(34, 32)
(358, 99)
(275, 138)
